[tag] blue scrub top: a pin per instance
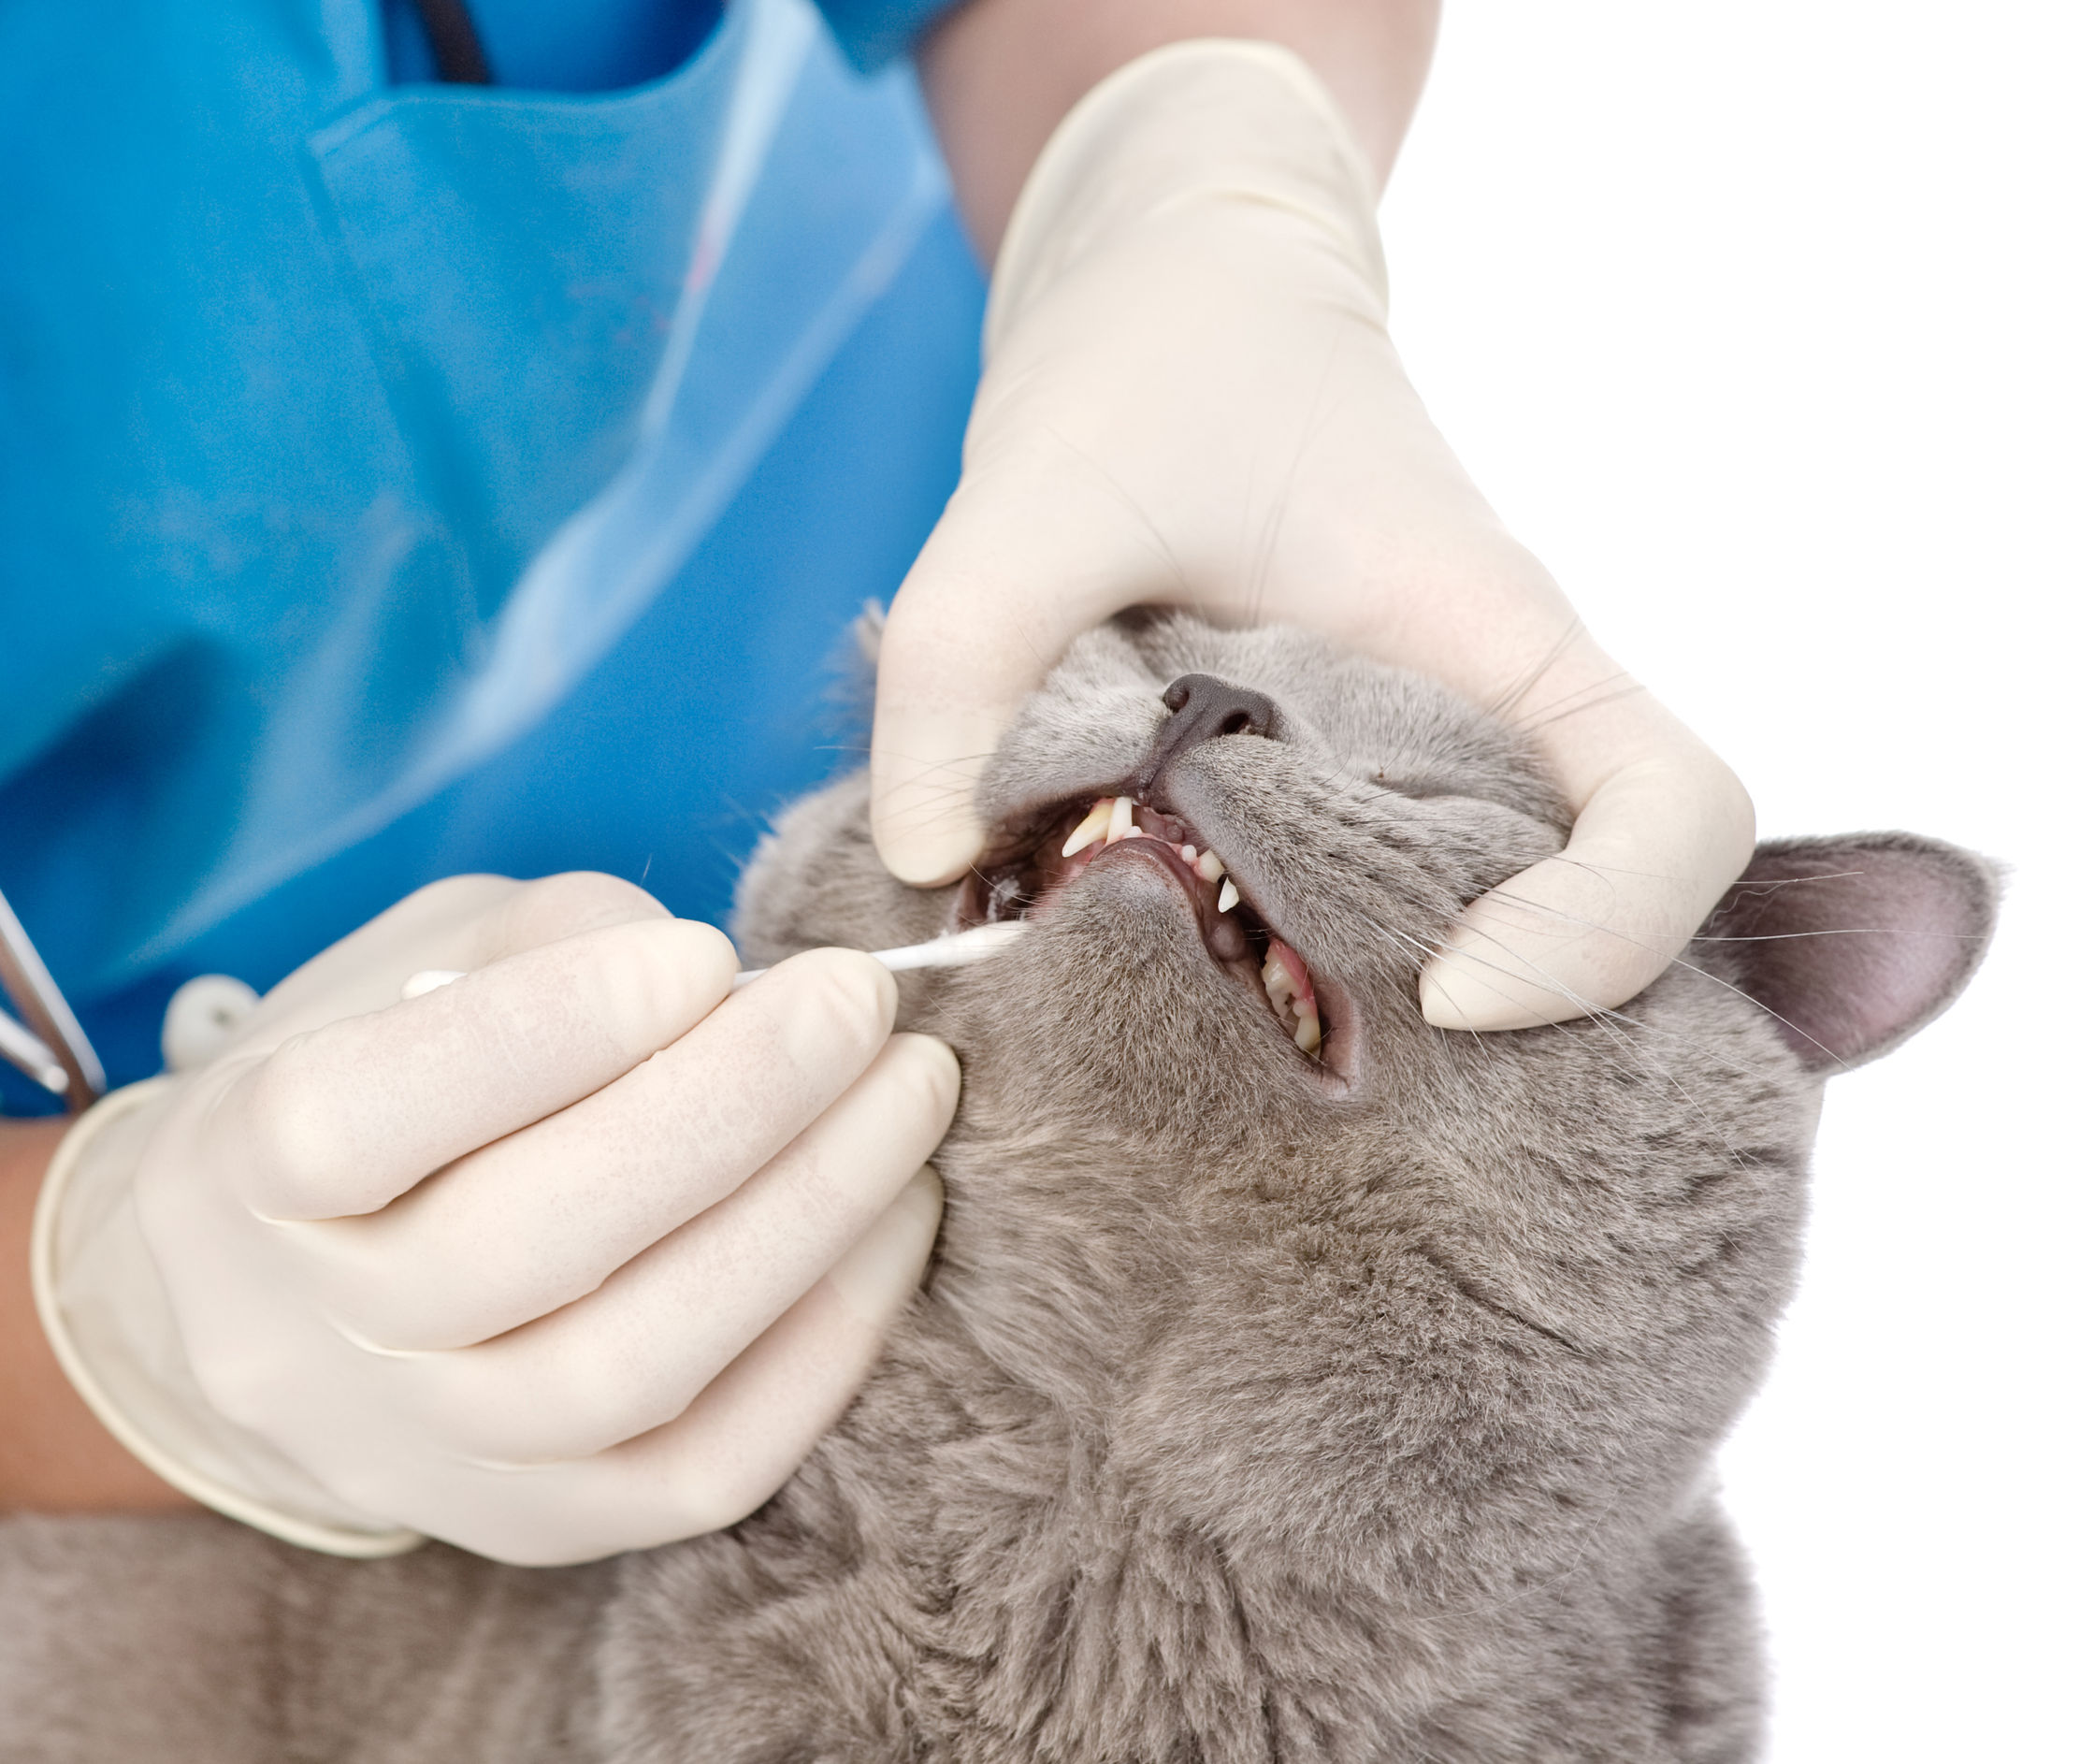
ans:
(399, 478)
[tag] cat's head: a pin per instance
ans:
(1237, 849)
(1282, 1256)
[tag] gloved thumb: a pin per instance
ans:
(995, 598)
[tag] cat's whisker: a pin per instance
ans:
(1619, 1027)
(1612, 1023)
(943, 763)
(1597, 926)
(1152, 534)
(1504, 707)
(1563, 709)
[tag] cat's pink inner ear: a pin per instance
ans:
(1854, 943)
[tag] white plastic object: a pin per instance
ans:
(955, 951)
(201, 1018)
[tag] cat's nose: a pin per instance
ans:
(1202, 707)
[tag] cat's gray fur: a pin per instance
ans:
(1255, 1410)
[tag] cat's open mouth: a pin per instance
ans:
(1117, 829)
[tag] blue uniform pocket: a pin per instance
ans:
(519, 258)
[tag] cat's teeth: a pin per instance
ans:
(1283, 990)
(1121, 820)
(1090, 828)
(1188, 854)
(1209, 867)
(1230, 895)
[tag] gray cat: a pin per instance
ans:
(1282, 1390)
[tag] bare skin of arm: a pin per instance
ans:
(54, 1455)
(998, 75)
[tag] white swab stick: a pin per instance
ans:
(955, 951)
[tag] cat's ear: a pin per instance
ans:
(1854, 943)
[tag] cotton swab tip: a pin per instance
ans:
(953, 951)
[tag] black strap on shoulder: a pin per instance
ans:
(457, 51)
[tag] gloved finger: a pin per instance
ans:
(634, 1354)
(1656, 845)
(350, 977)
(1011, 575)
(726, 1453)
(346, 1117)
(554, 908)
(540, 1217)
(460, 922)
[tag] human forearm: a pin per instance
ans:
(54, 1455)
(998, 75)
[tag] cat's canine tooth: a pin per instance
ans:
(1308, 1037)
(1121, 820)
(1230, 895)
(1209, 867)
(1090, 827)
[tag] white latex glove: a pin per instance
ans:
(576, 1254)
(1191, 398)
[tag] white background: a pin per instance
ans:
(1757, 323)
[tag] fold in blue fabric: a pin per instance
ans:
(396, 481)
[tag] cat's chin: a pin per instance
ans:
(1028, 872)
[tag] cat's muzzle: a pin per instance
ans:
(1025, 874)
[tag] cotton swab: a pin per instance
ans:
(953, 951)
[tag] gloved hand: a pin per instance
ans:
(576, 1254)
(1191, 398)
